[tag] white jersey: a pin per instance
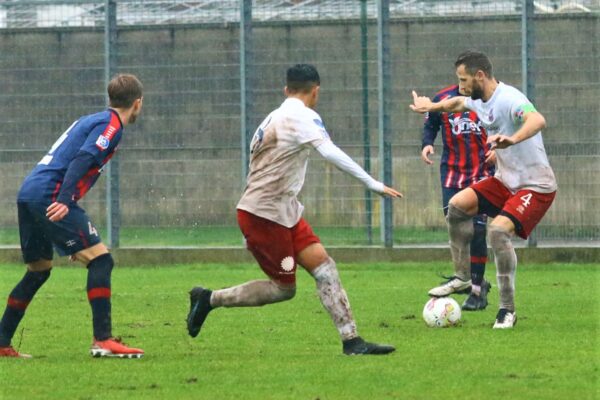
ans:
(279, 156)
(524, 165)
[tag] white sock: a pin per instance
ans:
(334, 299)
(506, 266)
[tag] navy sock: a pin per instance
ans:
(478, 251)
(98, 291)
(18, 300)
(477, 272)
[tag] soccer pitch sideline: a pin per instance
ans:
(291, 350)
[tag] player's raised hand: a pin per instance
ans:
(427, 150)
(500, 141)
(421, 104)
(388, 191)
(56, 211)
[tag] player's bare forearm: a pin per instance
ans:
(532, 124)
(423, 104)
(454, 104)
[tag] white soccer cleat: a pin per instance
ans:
(453, 285)
(505, 319)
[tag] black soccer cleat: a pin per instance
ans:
(474, 302)
(199, 309)
(357, 346)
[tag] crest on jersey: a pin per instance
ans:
(102, 142)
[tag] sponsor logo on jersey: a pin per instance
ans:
(102, 142)
(461, 125)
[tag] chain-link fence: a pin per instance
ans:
(181, 167)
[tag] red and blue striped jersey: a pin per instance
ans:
(97, 134)
(464, 140)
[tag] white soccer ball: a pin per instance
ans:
(441, 312)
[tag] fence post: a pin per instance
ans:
(113, 212)
(384, 86)
(527, 61)
(245, 84)
(365, 115)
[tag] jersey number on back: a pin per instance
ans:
(48, 157)
(258, 136)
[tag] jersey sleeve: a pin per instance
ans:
(519, 107)
(312, 130)
(431, 126)
(102, 140)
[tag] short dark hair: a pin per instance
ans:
(123, 90)
(475, 61)
(302, 78)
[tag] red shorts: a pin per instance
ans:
(524, 208)
(274, 246)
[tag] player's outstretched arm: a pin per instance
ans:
(388, 191)
(341, 160)
(423, 104)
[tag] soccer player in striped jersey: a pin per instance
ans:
(50, 217)
(463, 163)
(270, 215)
(517, 196)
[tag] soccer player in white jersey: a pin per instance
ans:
(270, 215)
(520, 192)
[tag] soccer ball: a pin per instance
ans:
(441, 312)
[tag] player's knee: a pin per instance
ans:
(457, 214)
(283, 292)
(102, 264)
(39, 277)
(499, 237)
(39, 266)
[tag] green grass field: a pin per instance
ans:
(214, 236)
(291, 350)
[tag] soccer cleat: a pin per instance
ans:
(475, 302)
(199, 309)
(10, 352)
(505, 319)
(357, 346)
(113, 347)
(453, 285)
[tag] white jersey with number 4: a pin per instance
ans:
(524, 165)
(279, 156)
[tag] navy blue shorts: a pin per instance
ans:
(39, 235)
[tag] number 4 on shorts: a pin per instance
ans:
(526, 199)
(93, 230)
